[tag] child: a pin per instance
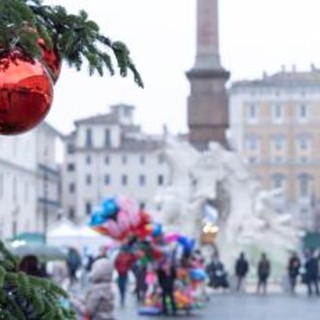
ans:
(99, 300)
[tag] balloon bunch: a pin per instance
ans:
(120, 218)
(183, 299)
(187, 243)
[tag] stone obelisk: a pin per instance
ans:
(208, 100)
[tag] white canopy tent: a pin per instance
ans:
(91, 240)
(82, 238)
(64, 234)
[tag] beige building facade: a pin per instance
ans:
(275, 126)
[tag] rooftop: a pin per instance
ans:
(108, 118)
(283, 78)
(111, 117)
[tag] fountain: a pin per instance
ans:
(247, 217)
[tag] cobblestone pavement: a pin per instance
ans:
(243, 307)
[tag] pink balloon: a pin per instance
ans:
(171, 237)
(132, 217)
(125, 204)
(123, 221)
(114, 230)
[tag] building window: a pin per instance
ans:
(107, 137)
(88, 208)
(252, 143)
(278, 181)
(160, 180)
(142, 159)
(88, 179)
(303, 142)
(72, 187)
(89, 138)
(124, 179)
(278, 160)
(71, 148)
(161, 158)
(142, 180)
(304, 185)
(252, 160)
(70, 167)
(107, 179)
(107, 160)
(303, 159)
(88, 160)
(279, 143)
(302, 112)
(71, 213)
(124, 159)
(142, 205)
(277, 114)
(252, 112)
(126, 112)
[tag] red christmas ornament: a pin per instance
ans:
(26, 93)
(51, 59)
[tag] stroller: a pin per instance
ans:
(218, 277)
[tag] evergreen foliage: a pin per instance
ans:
(75, 37)
(24, 297)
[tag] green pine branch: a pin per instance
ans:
(77, 38)
(24, 297)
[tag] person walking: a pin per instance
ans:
(140, 273)
(123, 264)
(264, 269)
(166, 277)
(312, 273)
(241, 270)
(294, 266)
(99, 299)
(73, 263)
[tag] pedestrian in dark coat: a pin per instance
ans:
(140, 273)
(294, 265)
(264, 269)
(241, 270)
(312, 273)
(166, 278)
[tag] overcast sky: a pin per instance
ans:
(255, 36)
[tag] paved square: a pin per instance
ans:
(244, 307)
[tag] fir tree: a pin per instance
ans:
(24, 297)
(77, 40)
(75, 37)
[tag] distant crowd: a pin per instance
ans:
(97, 276)
(303, 269)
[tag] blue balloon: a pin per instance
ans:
(97, 217)
(110, 207)
(198, 274)
(157, 230)
(187, 243)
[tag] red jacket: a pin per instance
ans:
(124, 262)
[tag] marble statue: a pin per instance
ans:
(247, 217)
